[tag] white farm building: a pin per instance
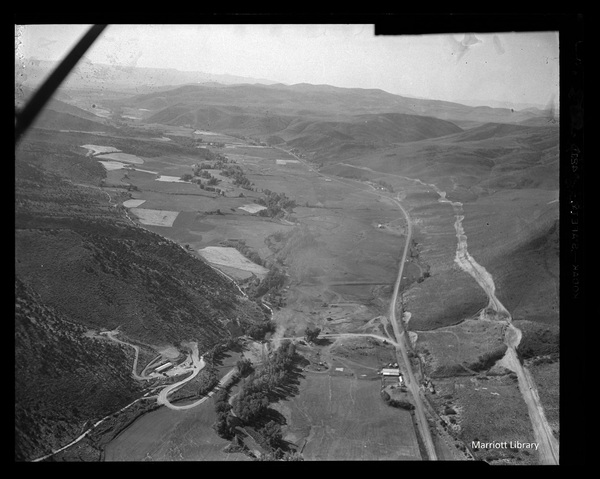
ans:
(392, 373)
(163, 367)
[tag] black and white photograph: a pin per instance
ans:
(287, 241)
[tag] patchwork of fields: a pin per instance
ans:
(339, 245)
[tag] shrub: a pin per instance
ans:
(401, 404)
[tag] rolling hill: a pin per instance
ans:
(324, 101)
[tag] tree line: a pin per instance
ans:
(276, 203)
(249, 407)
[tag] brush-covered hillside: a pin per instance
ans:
(64, 378)
(470, 163)
(81, 267)
(81, 254)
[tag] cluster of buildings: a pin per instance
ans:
(392, 374)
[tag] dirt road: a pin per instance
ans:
(198, 365)
(401, 348)
(548, 444)
(222, 383)
(111, 335)
(400, 343)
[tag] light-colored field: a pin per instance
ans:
(144, 171)
(231, 257)
(112, 165)
(155, 217)
(252, 208)
(162, 138)
(96, 149)
(285, 162)
(341, 418)
(171, 179)
(202, 132)
(101, 112)
(126, 157)
(133, 203)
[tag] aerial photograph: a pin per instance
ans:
(286, 242)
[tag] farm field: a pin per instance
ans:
(123, 157)
(336, 418)
(170, 435)
(231, 258)
(345, 251)
(133, 203)
(155, 217)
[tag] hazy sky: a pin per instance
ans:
(503, 66)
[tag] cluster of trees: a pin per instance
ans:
(252, 401)
(399, 403)
(211, 180)
(311, 334)
(202, 166)
(272, 283)
(225, 424)
(210, 155)
(276, 204)
(259, 331)
(488, 359)
(386, 185)
(269, 288)
(244, 367)
(239, 179)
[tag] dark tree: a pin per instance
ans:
(244, 367)
(311, 334)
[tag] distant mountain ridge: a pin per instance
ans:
(31, 72)
(322, 101)
(87, 75)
